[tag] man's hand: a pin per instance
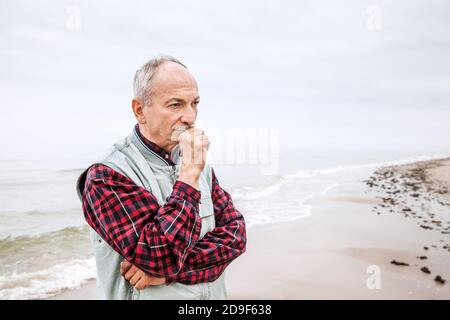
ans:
(194, 144)
(138, 278)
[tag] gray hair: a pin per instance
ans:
(143, 76)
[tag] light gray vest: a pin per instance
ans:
(132, 158)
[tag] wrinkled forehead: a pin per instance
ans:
(174, 78)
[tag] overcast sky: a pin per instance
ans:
(350, 74)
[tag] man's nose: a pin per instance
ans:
(188, 116)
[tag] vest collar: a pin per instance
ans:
(146, 148)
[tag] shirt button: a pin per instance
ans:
(167, 156)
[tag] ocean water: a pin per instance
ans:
(44, 243)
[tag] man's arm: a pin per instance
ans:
(128, 217)
(213, 253)
(219, 247)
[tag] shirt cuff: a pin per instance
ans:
(170, 280)
(186, 191)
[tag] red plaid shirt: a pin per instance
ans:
(163, 240)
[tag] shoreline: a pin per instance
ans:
(345, 249)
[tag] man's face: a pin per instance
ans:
(172, 104)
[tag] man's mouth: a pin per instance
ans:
(177, 131)
(181, 128)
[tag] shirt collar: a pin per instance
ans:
(154, 147)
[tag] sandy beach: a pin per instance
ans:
(386, 237)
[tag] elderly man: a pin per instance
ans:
(161, 225)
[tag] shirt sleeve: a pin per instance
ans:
(155, 238)
(218, 248)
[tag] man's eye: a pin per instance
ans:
(175, 105)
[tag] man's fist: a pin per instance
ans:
(138, 278)
(194, 144)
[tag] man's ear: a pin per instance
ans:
(137, 107)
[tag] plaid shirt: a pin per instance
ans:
(163, 240)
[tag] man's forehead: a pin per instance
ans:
(173, 73)
(173, 80)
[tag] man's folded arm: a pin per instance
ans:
(128, 217)
(219, 247)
